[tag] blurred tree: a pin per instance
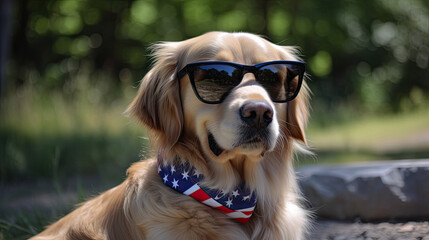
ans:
(4, 39)
(373, 54)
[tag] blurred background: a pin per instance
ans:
(69, 68)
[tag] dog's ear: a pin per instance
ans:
(157, 104)
(297, 114)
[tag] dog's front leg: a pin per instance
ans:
(288, 222)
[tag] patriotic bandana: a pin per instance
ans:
(238, 204)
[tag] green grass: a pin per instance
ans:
(369, 138)
(368, 132)
(22, 226)
(48, 134)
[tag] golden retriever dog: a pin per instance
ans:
(224, 112)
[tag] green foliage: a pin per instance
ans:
(279, 23)
(369, 54)
(321, 64)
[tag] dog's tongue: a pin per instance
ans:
(214, 146)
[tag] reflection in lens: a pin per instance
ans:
(291, 83)
(213, 82)
(271, 77)
(279, 80)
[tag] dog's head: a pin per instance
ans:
(245, 123)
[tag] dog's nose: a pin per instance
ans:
(257, 114)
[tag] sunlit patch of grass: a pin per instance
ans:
(368, 132)
(365, 138)
(335, 157)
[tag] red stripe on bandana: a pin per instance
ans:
(248, 213)
(200, 195)
(225, 209)
(242, 220)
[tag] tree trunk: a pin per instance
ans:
(5, 11)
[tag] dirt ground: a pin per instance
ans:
(334, 230)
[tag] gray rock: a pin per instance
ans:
(329, 230)
(369, 191)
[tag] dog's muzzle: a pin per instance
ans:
(254, 131)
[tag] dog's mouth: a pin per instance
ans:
(247, 144)
(252, 143)
(216, 149)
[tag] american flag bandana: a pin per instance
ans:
(238, 204)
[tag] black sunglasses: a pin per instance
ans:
(212, 81)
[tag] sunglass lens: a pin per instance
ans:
(280, 80)
(213, 82)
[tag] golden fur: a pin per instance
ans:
(142, 207)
